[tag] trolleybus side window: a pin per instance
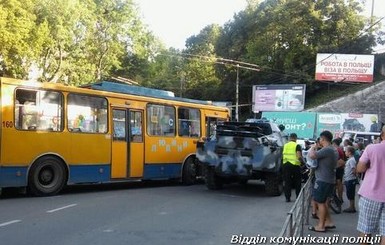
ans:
(38, 110)
(189, 122)
(211, 126)
(87, 114)
(160, 120)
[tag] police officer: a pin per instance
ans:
(292, 160)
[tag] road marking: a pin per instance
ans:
(10, 222)
(61, 208)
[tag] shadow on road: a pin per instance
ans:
(251, 189)
(8, 193)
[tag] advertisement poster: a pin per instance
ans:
(309, 125)
(358, 121)
(301, 123)
(344, 68)
(329, 121)
(283, 97)
(339, 122)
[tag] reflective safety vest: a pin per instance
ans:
(290, 153)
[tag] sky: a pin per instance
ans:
(173, 21)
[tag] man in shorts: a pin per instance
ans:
(325, 180)
(371, 205)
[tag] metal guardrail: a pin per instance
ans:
(298, 216)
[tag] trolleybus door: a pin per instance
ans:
(127, 143)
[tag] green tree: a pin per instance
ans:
(88, 39)
(166, 71)
(74, 41)
(201, 80)
(17, 24)
(62, 32)
(141, 63)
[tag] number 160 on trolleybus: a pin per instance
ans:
(53, 135)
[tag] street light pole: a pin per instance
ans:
(237, 95)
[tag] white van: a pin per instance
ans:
(364, 137)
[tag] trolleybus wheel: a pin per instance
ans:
(189, 172)
(47, 176)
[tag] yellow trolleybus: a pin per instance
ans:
(53, 135)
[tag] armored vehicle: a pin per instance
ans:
(241, 151)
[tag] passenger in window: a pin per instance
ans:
(195, 129)
(54, 125)
(184, 128)
(79, 122)
(136, 130)
(165, 125)
(29, 116)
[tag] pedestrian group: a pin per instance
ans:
(335, 165)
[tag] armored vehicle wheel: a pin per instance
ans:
(213, 182)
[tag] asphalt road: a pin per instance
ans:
(141, 213)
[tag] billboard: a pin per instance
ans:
(283, 97)
(339, 122)
(311, 124)
(329, 121)
(359, 122)
(344, 68)
(301, 123)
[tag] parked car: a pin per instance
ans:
(364, 137)
(302, 142)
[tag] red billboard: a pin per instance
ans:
(344, 68)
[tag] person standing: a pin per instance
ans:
(371, 205)
(314, 207)
(350, 179)
(325, 179)
(359, 149)
(292, 160)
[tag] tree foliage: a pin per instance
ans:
(201, 80)
(80, 41)
(16, 29)
(74, 41)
